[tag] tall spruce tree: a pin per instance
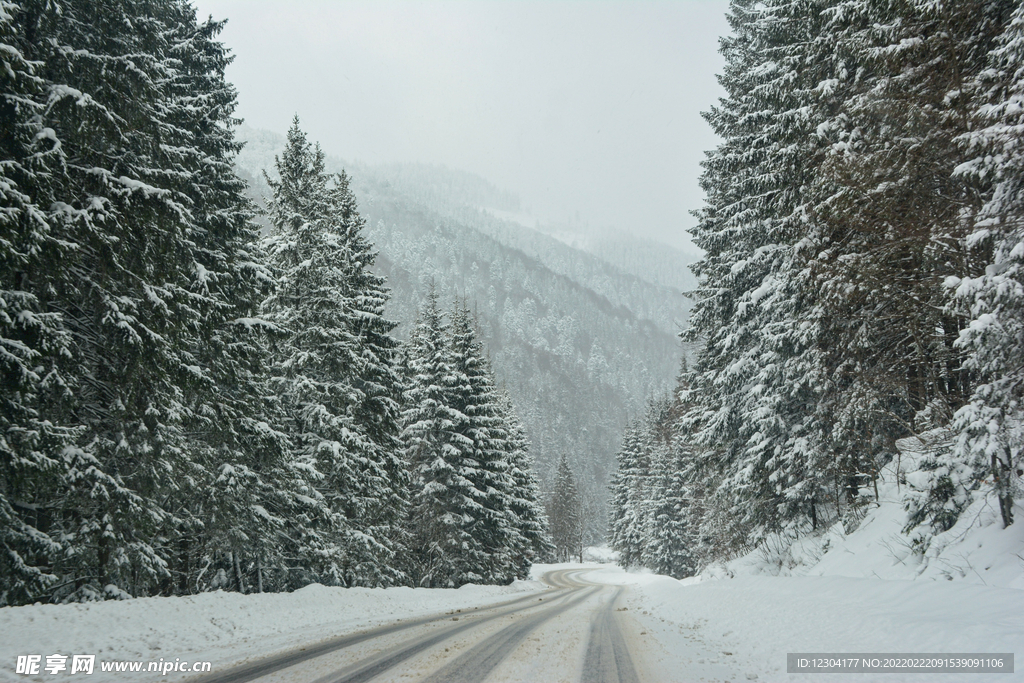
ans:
(758, 374)
(488, 464)
(140, 258)
(32, 338)
(565, 510)
(892, 229)
(446, 505)
(333, 366)
(989, 429)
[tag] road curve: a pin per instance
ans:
(487, 643)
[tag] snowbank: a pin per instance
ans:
(866, 590)
(741, 629)
(976, 550)
(222, 628)
(601, 554)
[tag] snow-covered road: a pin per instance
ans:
(587, 623)
(569, 632)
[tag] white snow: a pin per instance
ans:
(865, 590)
(222, 628)
(862, 591)
(742, 628)
(601, 554)
(976, 550)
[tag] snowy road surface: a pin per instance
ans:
(583, 623)
(571, 632)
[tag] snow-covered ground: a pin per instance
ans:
(976, 550)
(221, 628)
(742, 628)
(863, 591)
(857, 592)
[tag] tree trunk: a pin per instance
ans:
(1001, 474)
(238, 572)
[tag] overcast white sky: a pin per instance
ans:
(588, 108)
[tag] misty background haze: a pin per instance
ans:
(589, 112)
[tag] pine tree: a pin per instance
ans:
(759, 373)
(488, 465)
(445, 504)
(892, 230)
(131, 118)
(669, 540)
(334, 370)
(32, 339)
(529, 517)
(627, 487)
(989, 429)
(565, 510)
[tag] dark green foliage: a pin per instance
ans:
(332, 365)
(565, 510)
(474, 513)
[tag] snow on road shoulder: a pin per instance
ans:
(741, 629)
(223, 628)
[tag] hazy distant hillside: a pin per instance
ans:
(579, 343)
(663, 305)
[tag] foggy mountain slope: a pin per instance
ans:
(638, 291)
(561, 325)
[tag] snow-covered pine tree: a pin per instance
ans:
(487, 462)
(445, 502)
(33, 341)
(565, 511)
(758, 373)
(529, 517)
(989, 429)
(670, 542)
(127, 101)
(892, 223)
(333, 368)
(231, 518)
(626, 512)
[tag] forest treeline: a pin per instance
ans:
(577, 343)
(186, 406)
(863, 282)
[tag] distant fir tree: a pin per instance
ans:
(654, 520)
(669, 535)
(333, 365)
(628, 494)
(475, 516)
(565, 511)
(670, 546)
(528, 514)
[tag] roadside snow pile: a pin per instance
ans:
(742, 629)
(977, 549)
(223, 628)
(601, 554)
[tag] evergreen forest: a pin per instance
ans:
(862, 285)
(199, 392)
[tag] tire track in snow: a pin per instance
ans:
(269, 665)
(484, 657)
(608, 659)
